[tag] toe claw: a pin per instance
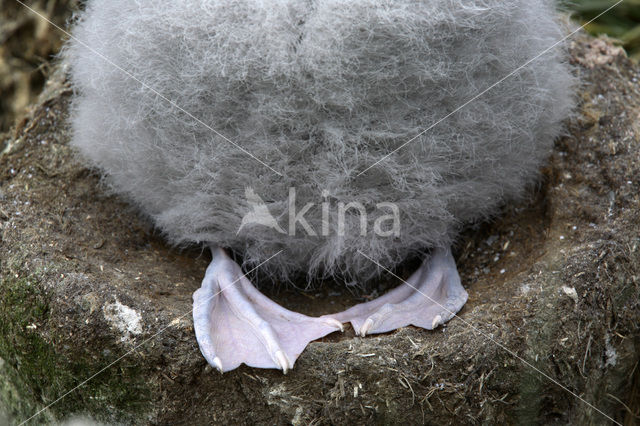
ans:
(218, 364)
(282, 361)
(334, 323)
(366, 327)
(436, 321)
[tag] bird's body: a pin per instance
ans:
(353, 104)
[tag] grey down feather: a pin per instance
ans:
(319, 91)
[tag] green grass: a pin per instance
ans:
(621, 23)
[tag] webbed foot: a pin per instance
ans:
(235, 323)
(430, 297)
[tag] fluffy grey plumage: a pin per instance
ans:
(319, 91)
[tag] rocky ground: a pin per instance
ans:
(95, 303)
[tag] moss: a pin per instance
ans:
(36, 371)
